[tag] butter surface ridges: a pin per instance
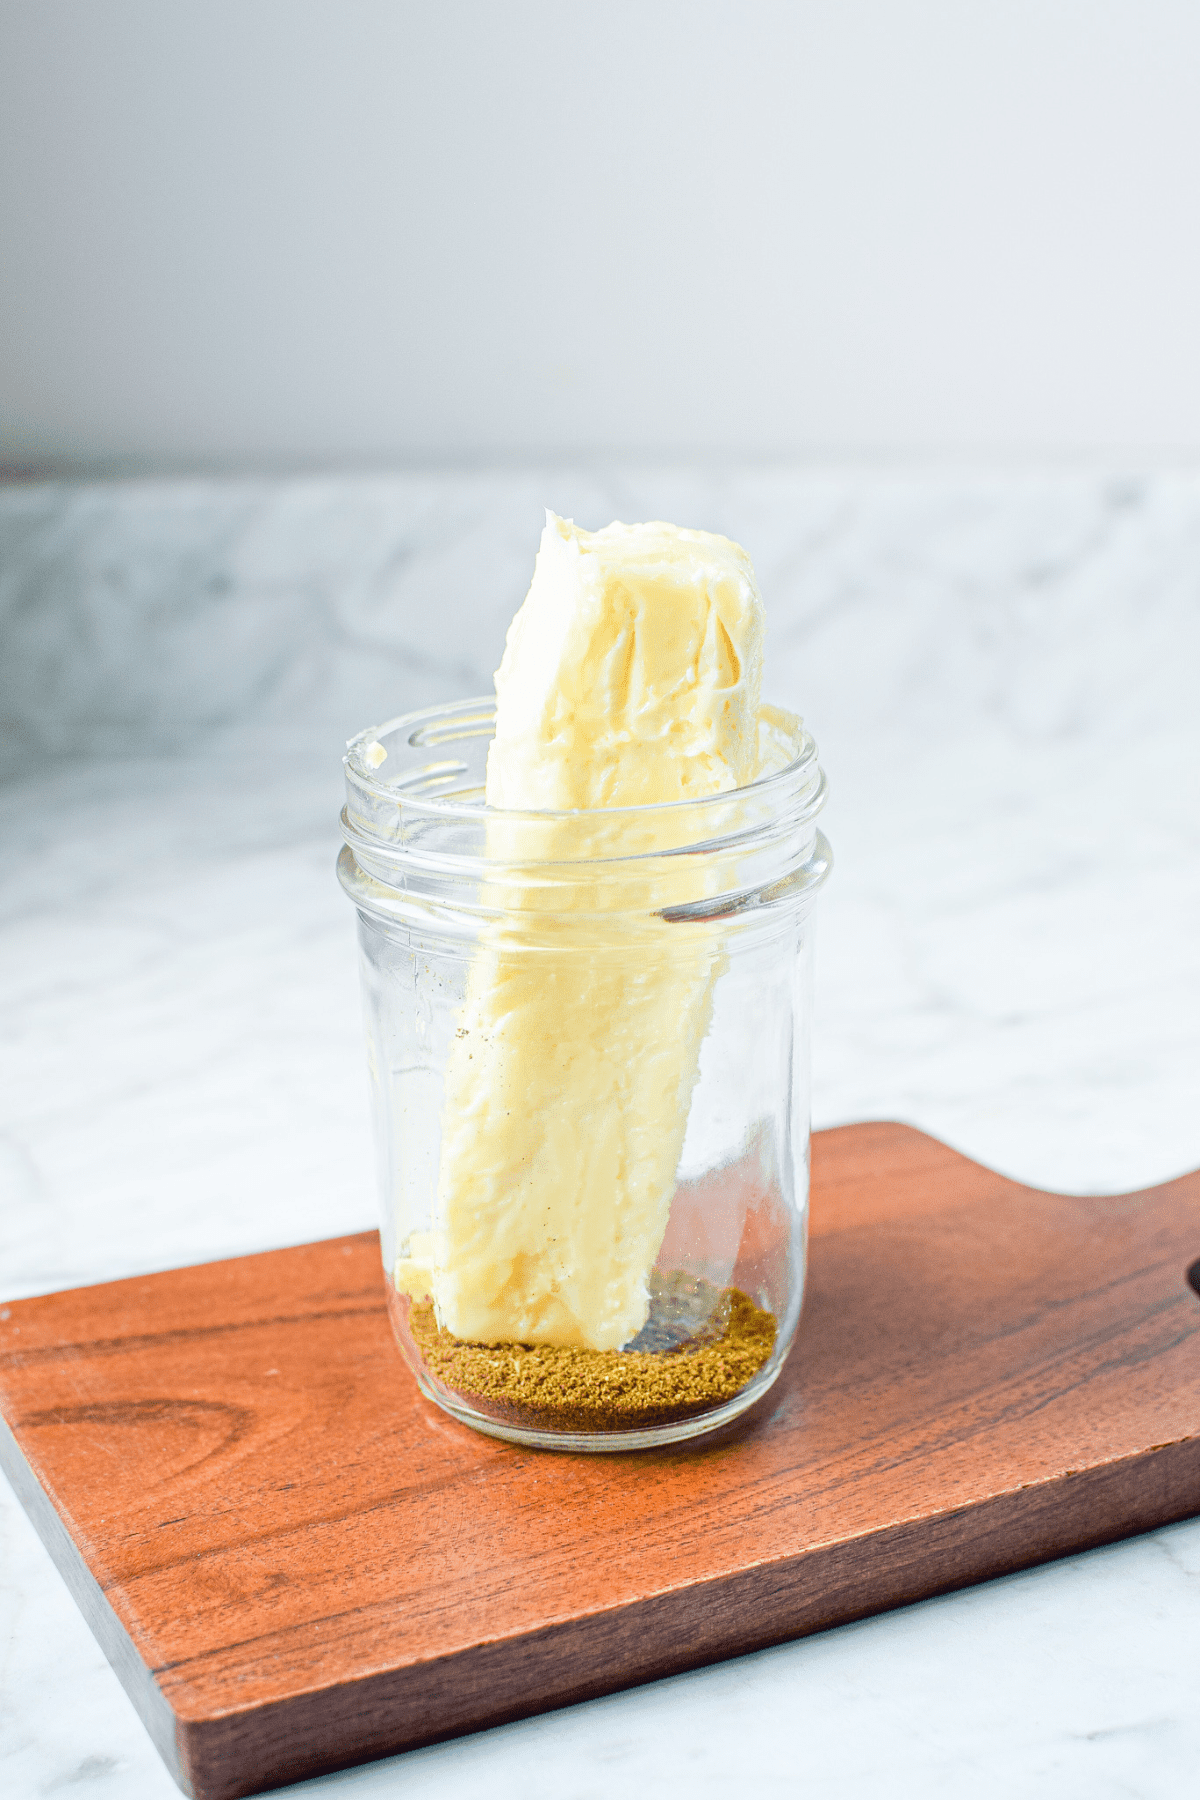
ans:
(631, 676)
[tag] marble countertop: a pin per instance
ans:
(1001, 673)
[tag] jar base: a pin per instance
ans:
(604, 1443)
(677, 1388)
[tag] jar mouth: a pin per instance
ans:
(419, 834)
(409, 763)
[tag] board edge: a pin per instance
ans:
(149, 1701)
(386, 1714)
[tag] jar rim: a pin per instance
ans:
(476, 717)
(426, 839)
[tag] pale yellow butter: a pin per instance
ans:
(631, 677)
(632, 674)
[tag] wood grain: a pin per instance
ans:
(295, 1562)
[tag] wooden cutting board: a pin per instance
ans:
(295, 1562)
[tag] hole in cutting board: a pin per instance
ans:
(1193, 1276)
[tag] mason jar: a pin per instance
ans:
(587, 1044)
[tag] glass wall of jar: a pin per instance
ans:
(588, 1051)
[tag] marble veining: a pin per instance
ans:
(1001, 672)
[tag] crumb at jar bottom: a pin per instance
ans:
(701, 1350)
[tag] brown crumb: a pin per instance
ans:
(552, 1388)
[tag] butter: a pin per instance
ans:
(631, 676)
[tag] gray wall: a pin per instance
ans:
(262, 232)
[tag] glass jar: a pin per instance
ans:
(588, 1050)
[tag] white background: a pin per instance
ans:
(254, 234)
(240, 233)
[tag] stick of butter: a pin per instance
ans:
(631, 677)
